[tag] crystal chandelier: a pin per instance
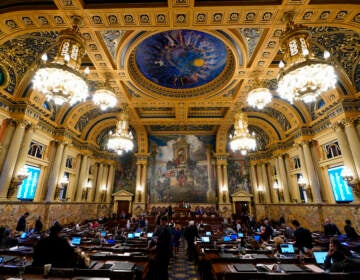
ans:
(122, 139)
(60, 80)
(259, 97)
(242, 140)
(302, 76)
(104, 97)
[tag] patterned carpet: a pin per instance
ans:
(182, 269)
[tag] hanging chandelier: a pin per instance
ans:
(302, 76)
(60, 80)
(104, 97)
(259, 97)
(122, 139)
(242, 140)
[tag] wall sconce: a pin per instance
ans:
(301, 181)
(348, 177)
(86, 189)
(140, 190)
(223, 192)
(17, 181)
(261, 190)
(276, 185)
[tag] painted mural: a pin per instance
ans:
(180, 169)
(181, 58)
(125, 173)
(238, 176)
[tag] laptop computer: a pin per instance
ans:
(287, 249)
(76, 240)
(149, 234)
(23, 235)
(131, 236)
(123, 266)
(205, 239)
(233, 236)
(240, 234)
(245, 267)
(320, 258)
(288, 267)
(208, 233)
(137, 234)
(257, 237)
(227, 238)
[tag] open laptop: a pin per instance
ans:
(131, 236)
(287, 249)
(233, 236)
(205, 239)
(245, 267)
(227, 238)
(257, 237)
(208, 233)
(76, 240)
(137, 234)
(149, 234)
(320, 258)
(23, 235)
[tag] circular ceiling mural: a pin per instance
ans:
(181, 59)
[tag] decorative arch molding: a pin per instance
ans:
(222, 139)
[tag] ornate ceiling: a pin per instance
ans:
(182, 66)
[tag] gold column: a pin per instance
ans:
(10, 161)
(7, 139)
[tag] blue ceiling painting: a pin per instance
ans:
(181, 59)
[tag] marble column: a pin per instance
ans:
(54, 172)
(6, 140)
(24, 149)
(284, 180)
(354, 144)
(10, 161)
(83, 177)
(74, 186)
(345, 150)
(312, 176)
(110, 183)
(265, 183)
(99, 182)
(254, 184)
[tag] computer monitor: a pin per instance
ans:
(130, 235)
(205, 239)
(149, 234)
(76, 240)
(233, 236)
(103, 233)
(227, 238)
(287, 248)
(257, 237)
(240, 234)
(137, 234)
(208, 233)
(23, 235)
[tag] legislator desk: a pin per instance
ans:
(226, 271)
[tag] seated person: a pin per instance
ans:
(330, 229)
(303, 238)
(337, 255)
(350, 231)
(7, 240)
(54, 250)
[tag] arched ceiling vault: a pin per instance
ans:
(114, 31)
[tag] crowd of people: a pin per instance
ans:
(52, 247)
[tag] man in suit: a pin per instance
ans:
(21, 224)
(330, 229)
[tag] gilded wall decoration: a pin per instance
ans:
(180, 169)
(251, 37)
(280, 117)
(112, 39)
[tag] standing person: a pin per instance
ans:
(350, 231)
(38, 225)
(176, 235)
(303, 239)
(190, 234)
(163, 250)
(170, 212)
(21, 224)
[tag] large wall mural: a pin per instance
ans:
(181, 169)
(125, 173)
(238, 178)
